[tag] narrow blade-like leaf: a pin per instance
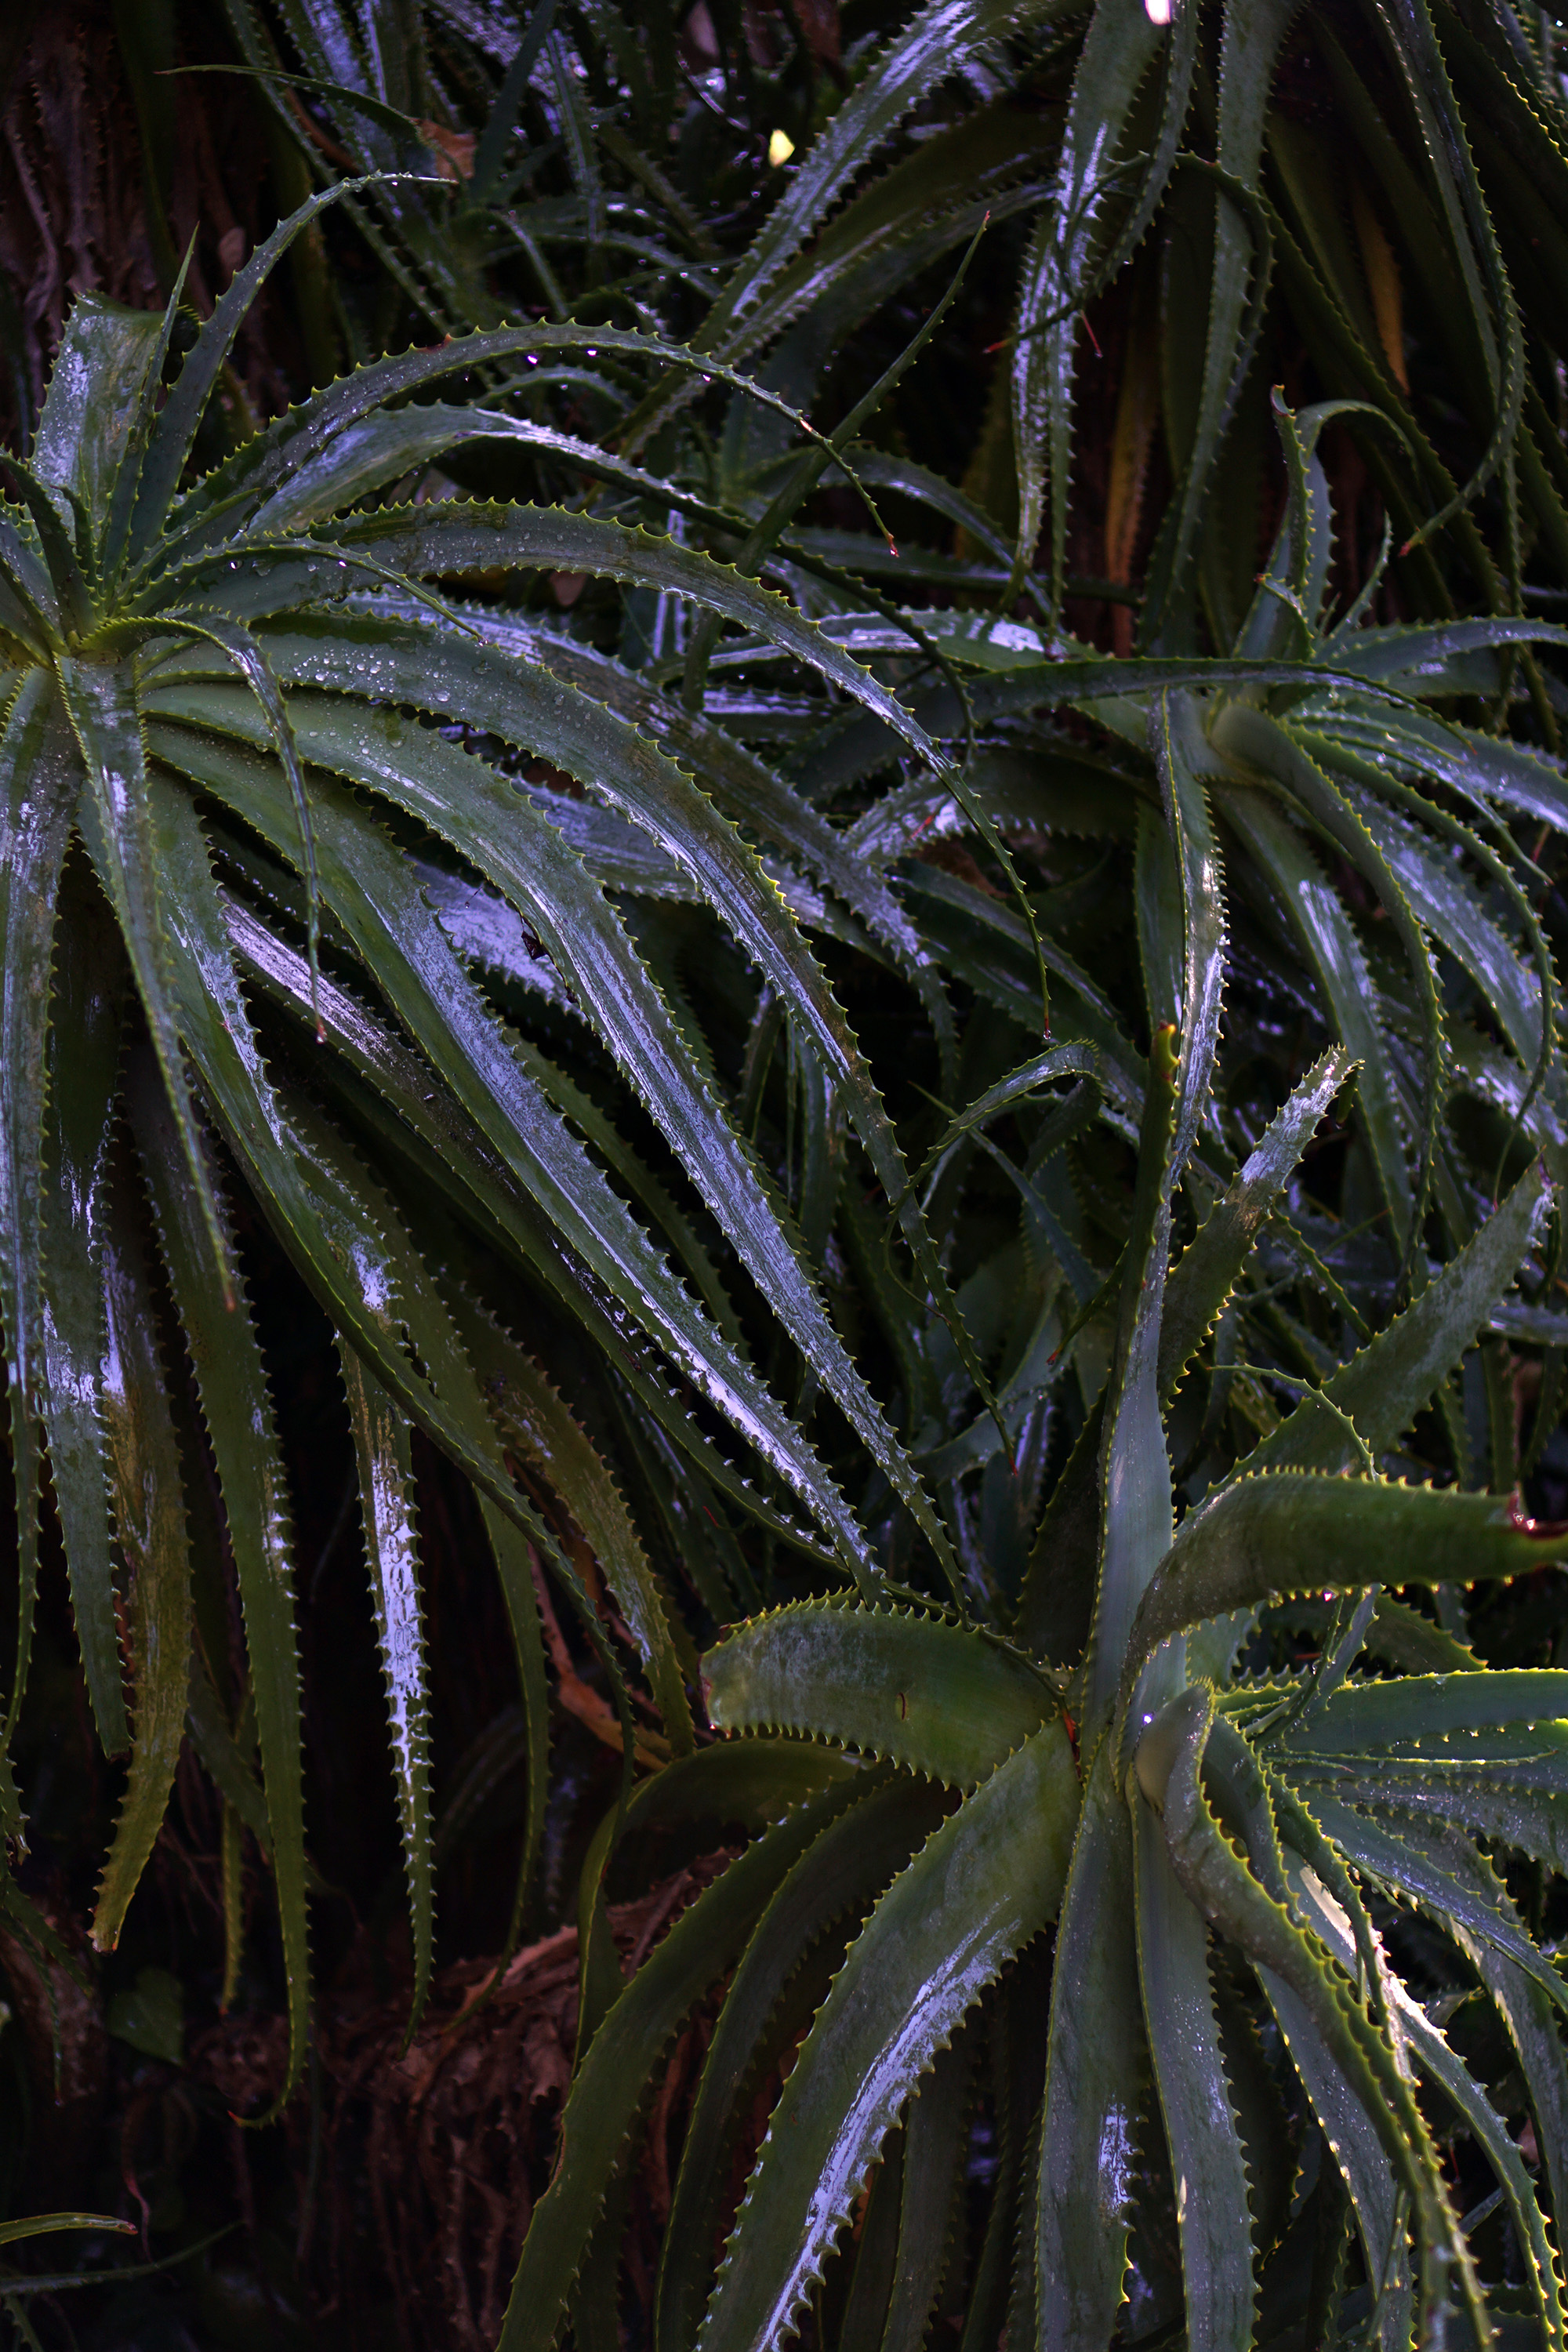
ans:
(986, 1882)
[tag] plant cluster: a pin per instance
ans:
(846, 856)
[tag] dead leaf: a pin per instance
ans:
(454, 150)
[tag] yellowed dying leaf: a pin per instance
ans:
(1383, 282)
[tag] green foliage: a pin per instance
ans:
(797, 1069)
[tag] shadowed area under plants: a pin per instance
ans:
(781, 1127)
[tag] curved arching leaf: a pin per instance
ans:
(149, 1503)
(1137, 1503)
(1222, 1887)
(390, 1524)
(1443, 2066)
(849, 1862)
(1200, 1283)
(1287, 1531)
(986, 1882)
(515, 845)
(945, 35)
(1384, 1385)
(115, 815)
(533, 1413)
(1119, 50)
(1258, 741)
(1328, 942)
(614, 2077)
(914, 1690)
(381, 902)
(38, 786)
(237, 1407)
(1201, 2131)
(1083, 2174)
(83, 1067)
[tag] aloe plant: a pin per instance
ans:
(179, 831)
(1228, 1849)
(1113, 1743)
(622, 989)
